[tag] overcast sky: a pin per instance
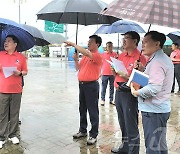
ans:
(29, 8)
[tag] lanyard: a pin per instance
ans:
(149, 62)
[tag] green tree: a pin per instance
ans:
(45, 50)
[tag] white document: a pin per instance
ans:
(118, 65)
(110, 62)
(8, 71)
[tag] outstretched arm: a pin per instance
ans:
(80, 49)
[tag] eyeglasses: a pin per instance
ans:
(126, 38)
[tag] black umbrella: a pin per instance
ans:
(83, 12)
(53, 38)
(175, 37)
(36, 33)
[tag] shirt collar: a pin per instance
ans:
(133, 53)
(14, 53)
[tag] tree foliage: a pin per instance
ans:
(45, 50)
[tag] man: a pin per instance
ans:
(175, 57)
(154, 99)
(10, 89)
(126, 103)
(89, 72)
(107, 74)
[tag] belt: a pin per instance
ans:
(86, 82)
(122, 87)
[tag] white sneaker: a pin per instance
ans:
(1, 144)
(14, 140)
(112, 103)
(102, 103)
(91, 141)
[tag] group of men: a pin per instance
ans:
(152, 100)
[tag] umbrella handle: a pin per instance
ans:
(139, 60)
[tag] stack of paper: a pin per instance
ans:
(139, 78)
(117, 65)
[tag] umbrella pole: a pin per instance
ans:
(149, 27)
(77, 28)
(141, 50)
(118, 45)
(76, 33)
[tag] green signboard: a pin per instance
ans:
(53, 27)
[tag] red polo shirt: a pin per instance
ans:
(11, 84)
(106, 69)
(89, 69)
(128, 61)
(175, 54)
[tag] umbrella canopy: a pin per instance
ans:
(175, 37)
(53, 38)
(158, 12)
(36, 33)
(121, 26)
(9, 27)
(83, 12)
(168, 41)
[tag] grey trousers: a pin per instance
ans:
(9, 114)
(154, 125)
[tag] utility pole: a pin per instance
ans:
(19, 8)
(66, 37)
(19, 12)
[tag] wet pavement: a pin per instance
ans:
(49, 115)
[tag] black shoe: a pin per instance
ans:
(19, 122)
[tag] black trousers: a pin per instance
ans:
(154, 125)
(177, 76)
(127, 110)
(88, 99)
